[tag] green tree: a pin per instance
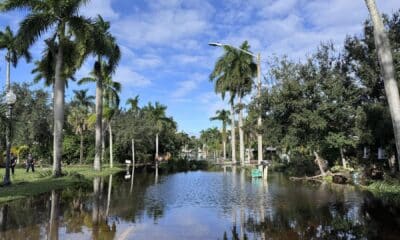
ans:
(14, 51)
(79, 115)
(63, 18)
(223, 116)
(103, 45)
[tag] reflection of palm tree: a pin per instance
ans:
(54, 213)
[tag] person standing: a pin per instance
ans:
(30, 163)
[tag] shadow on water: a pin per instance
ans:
(200, 205)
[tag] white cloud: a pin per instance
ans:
(102, 7)
(187, 86)
(129, 78)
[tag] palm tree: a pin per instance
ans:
(103, 45)
(14, 51)
(78, 117)
(158, 115)
(386, 61)
(134, 104)
(233, 72)
(110, 97)
(64, 19)
(243, 69)
(220, 76)
(223, 116)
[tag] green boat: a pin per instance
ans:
(256, 173)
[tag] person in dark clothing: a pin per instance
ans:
(30, 163)
(13, 163)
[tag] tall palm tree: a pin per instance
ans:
(158, 115)
(107, 48)
(63, 18)
(79, 115)
(386, 61)
(233, 73)
(14, 51)
(110, 97)
(222, 84)
(223, 116)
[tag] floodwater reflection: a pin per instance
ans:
(200, 205)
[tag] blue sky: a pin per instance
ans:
(164, 43)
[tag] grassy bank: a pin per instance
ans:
(388, 189)
(29, 184)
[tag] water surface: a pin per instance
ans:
(200, 205)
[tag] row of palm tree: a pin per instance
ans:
(233, 73)
(73, 38)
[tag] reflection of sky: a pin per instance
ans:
(204, 205)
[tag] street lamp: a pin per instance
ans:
(259, 120)
(10, 100)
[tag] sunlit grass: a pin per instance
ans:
(29, 184)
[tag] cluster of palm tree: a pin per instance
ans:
(73, 38)
(233, 73)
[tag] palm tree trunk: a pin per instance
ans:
(81, 150)
(59, 92)
(157, 146)
(386, 62)
(344, 164)
(241, 133)
(99, 125)
(133, 153)
(111, 146)
(233, 135)
(8, 83)
(224, 147)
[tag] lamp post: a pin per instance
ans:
(259, 120)
(10, 100)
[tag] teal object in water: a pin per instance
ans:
(256, 173)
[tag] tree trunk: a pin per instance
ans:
(157, 146)
(59, 92)
(99, 125)
(344, 163)
(386, 62)
(81, 150)
(233, 135)
(241, 133)
(319, 163)
(8, 78)
(133, 153)
(111, 146)
(392, 164)
(224, 147)
(54, 212)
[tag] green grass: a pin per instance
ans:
(41, 181)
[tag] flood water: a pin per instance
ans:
(200, 205)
